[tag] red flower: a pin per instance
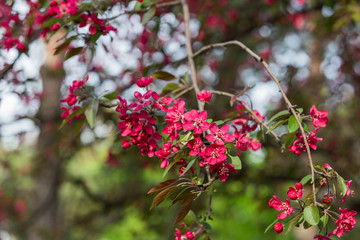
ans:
(281, 206)
(92, 20)
(195, 146)
(55, 27)
(215, 154)
(279, 227)
(223, 170)
(218, 135)
(348, 191)
(319, 117)
(144, 82)
(293, 193)
(196, 121)
(346, 222)
(204, 96)
(189, 235)
(328, 198)
(298, 146)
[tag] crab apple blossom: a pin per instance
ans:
(349, 192)
(144, 82)
(215, 154)
(279, 227)
(298, 145)
(346, 222)
(281, 206)
(327, 198)
(223, 170)
(219, 135)
(295, 193)
(204, 96)
(319, 118)
(196, 121)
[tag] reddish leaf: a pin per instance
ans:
(162, 186)
(184, 211)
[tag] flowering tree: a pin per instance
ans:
(171, 115)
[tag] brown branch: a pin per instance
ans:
(251, 112)
(287, 101)
(189, 51)
(7, 68)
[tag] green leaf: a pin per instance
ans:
(293, 222)
(188, 167)
(163, 76)
(293, 125)
(290, 137)
(111, 96)
(300, 110)
(186, 78)
(279, 115)
(342, 185)
(271, 225)
(169, 87)
(72, 52)
(190, 218)
(305, 126)
(276, 125)
(306, 179)
(95, 37)
(148, 15)
(219, 122)
(90, 113)
(66, 43)
(323, 221)
(167, 169)
(206, 225)
(236, 162)
(51, 22)
(311, 215)
(209, 120)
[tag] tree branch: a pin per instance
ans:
(189, 51)
(287, 101)
(251, 112)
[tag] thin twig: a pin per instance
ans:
(250, 111)
(7, 68)
(287, 101)
(186, 13)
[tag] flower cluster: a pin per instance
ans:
(285, 207)
(184, 131)
(187, 236)
(71, 99)
(319, 119)
(346, 220)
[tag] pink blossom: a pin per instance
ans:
(279, 227)
(195, 145)
(295, 193)
(91, 20)
(144, 82)
(223, 170)
(346, 222)
(328, 198)
(204, 96)
(219, 135)
(319, 117)
(298, 146)
(281, 206)
(189, 235)
(196, 121)
(348, 191)
(215, 154)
